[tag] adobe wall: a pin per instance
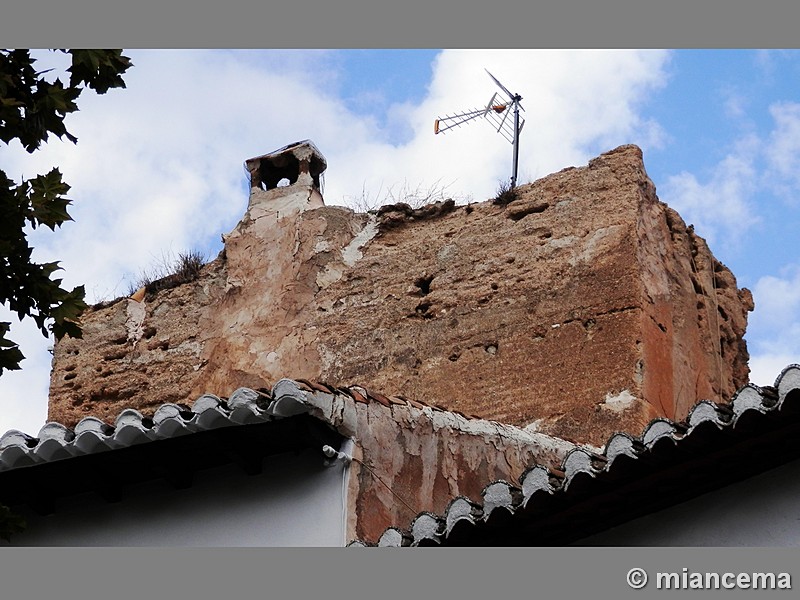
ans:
(582, 308)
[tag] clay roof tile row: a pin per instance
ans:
(245, 406)
(131, 427)
(537, 491)
(541, 489)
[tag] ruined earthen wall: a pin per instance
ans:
(419, 460)
(582, 308)
(410, 458)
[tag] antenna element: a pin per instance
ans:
(497, 112)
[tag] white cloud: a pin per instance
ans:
(735, 196)
(778, 299)
(783, 153)
(775, 325)
(23, 393)
(158, 166)
(722, 206)
(577, 104)
(765, 368)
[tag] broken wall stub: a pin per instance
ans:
(585, 306)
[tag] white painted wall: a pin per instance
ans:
(760, 511)
(296, 501)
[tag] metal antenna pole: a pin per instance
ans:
(497, 112)
(517, 98)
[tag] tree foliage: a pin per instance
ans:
(31, 109)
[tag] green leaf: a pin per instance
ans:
(47, 200)
(31, 109)
(10, 355)
(67, 313)
(100, 70)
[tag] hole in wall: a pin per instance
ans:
(423, 309)
(424, 285)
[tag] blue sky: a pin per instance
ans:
(158, 167)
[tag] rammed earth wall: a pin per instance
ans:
(584, 307)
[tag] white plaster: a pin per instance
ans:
(391, 538)
(425, 527)
(788, 380)
(618, 402)
(322, 246)
(459, 510)
(491, 430)
(496, 494)
(536, 480)
(702, 412)
(748, 398)
(657, 430)
(331, 274)
(279, 203)
(577, 462)
(136, 312)
(562, 242)
(352, 252)
(533, 427)
(619, 445)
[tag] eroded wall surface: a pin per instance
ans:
(584, 307)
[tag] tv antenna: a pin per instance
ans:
(500, 105)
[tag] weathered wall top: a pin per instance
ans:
(582, 307)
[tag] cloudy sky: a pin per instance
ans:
(158, 168)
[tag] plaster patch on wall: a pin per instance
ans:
(135, 322)
(322, 246)
(351, 253)
(533, 427)
(598, 243)
(561, 242)
(619, 402)
(330, 275)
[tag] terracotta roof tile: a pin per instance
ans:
(544, 500)
(317, 386)
(358, 396)
(378, 397)
(626, 462)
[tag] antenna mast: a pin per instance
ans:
(498, 105)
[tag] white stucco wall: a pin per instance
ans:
(296, 501)
(760, 511)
